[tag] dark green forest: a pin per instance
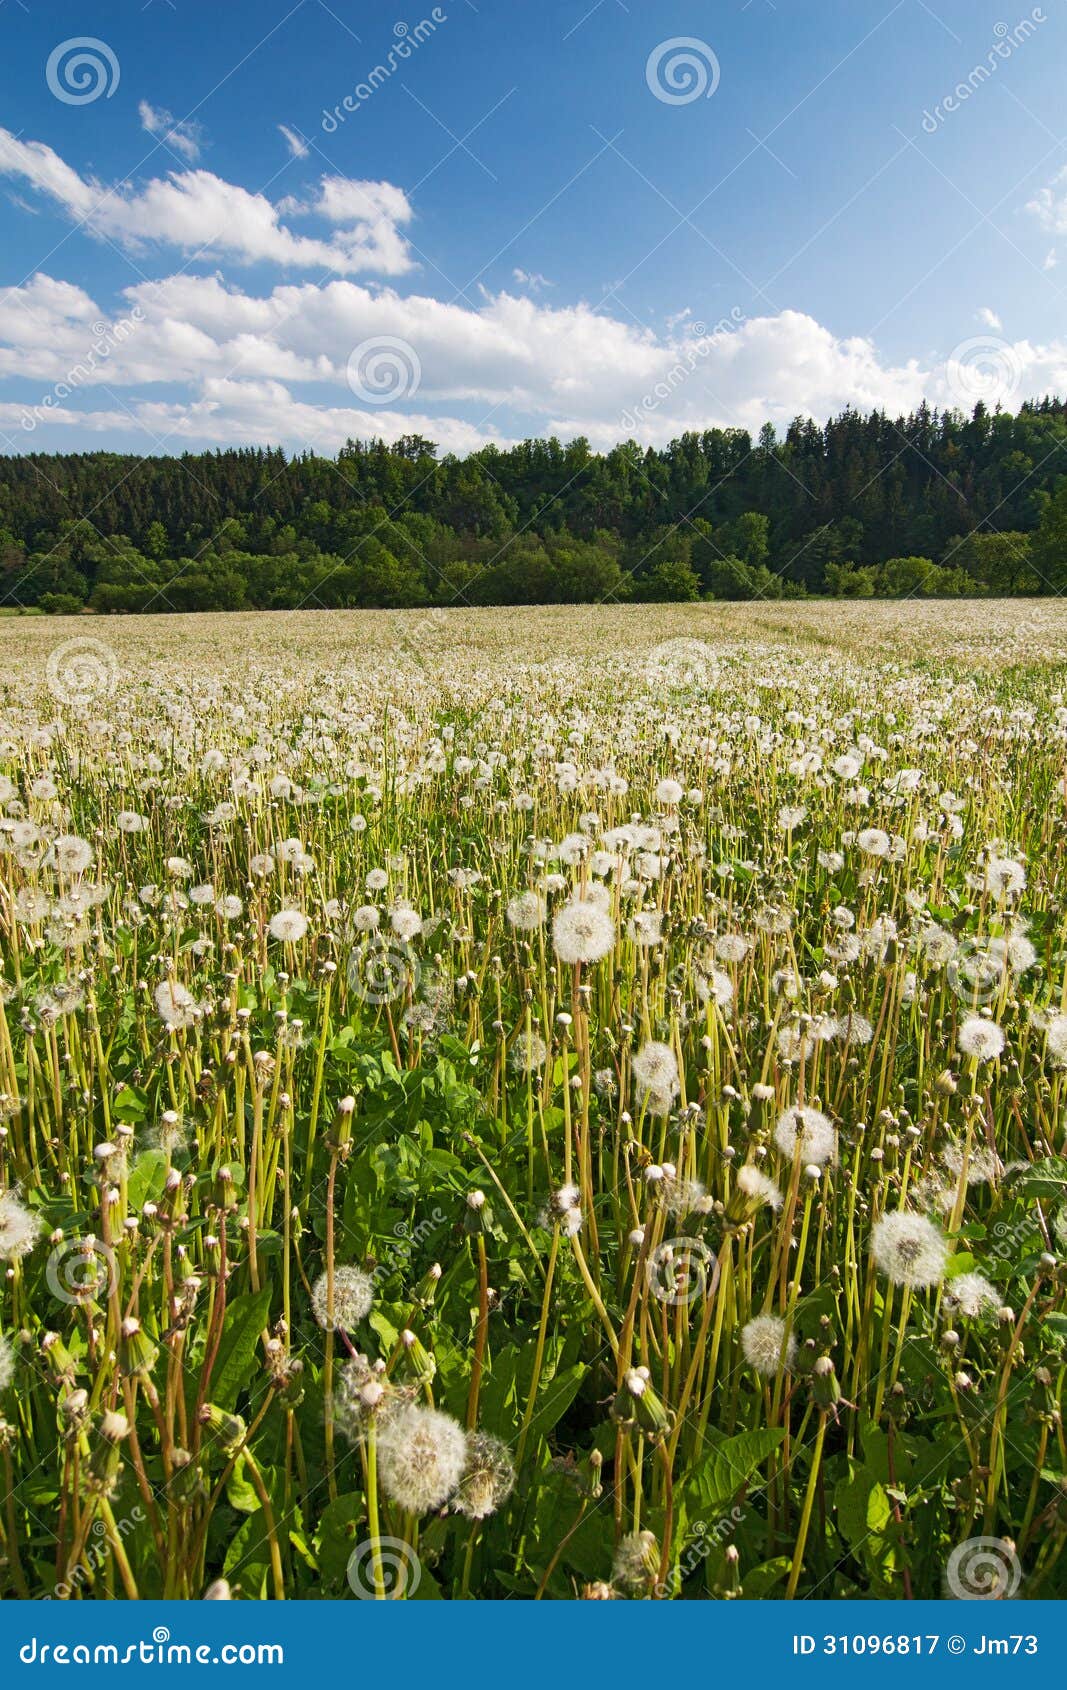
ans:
(933, 505)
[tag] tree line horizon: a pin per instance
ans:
(934, 504)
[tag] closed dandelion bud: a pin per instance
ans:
(1042, 1404)
(187, 1481)
(227, 1430)
(426, 1289)
(342, 1122)
(137, 1353)
(75, 1410)
(648, 1409)
(945, 1085)
(594, 1487)
(60, 1360)
(420, 1363)
(728, 1588)
(225, 1190)
(623, 1409)
(106, 1456)
(477, 1215)
(218, 1591)
(824, 1385)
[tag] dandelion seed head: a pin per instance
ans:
(806, 1133)
(20, 1228)
(422, 1454)
(767, 1346)
(981, 1039)
(971, 1294)
(582, 932)
(488, 1477)
(353, 1298)
(909, 1249)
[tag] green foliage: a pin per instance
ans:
(712, 514)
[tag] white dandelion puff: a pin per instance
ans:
(353, 1298)
(422, 1454)
(909, 1249)
(767, 1345)
(808, 1134)
(20, 1228)
(980, 1038)
(582, 932)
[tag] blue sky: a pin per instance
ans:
(510, 230)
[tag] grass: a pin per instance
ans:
(370, 1233)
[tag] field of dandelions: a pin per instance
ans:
(534, 1104)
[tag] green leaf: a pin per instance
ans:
(245, 1319)
(727, 1467)
(146, 1179)
(240, 1491)
(553, 1401)
(1044, 1179)
(341, 1528)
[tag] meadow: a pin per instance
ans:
(558, 1104)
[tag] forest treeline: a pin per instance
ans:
(932, 504)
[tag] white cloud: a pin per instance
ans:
(531, 279)
(182, 136)
(272, 367)
(1049, 205)
(240, 413)
(200, 213)
(298, 147)
(988, 318)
